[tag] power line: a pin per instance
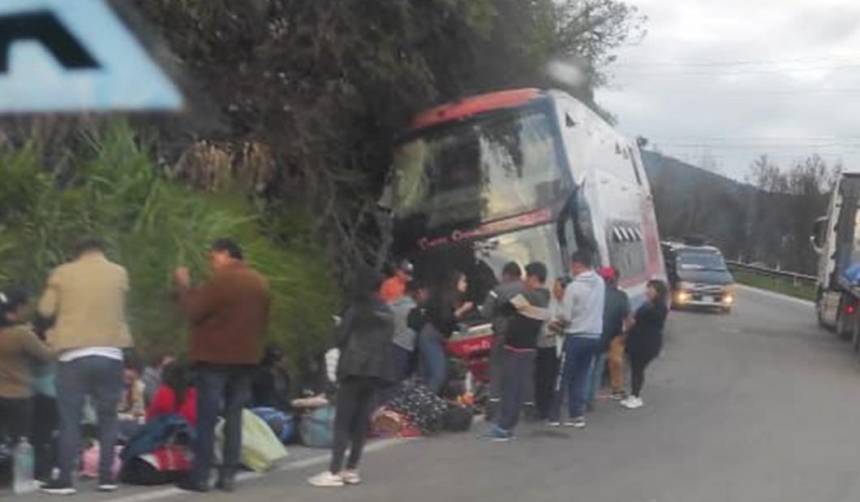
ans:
(748, 62)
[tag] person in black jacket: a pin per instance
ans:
(646, 338)
(363, 338)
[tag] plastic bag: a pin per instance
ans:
(261, 449)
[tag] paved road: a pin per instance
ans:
(758, 406)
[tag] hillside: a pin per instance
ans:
(745, 222)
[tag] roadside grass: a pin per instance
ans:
(801, 290)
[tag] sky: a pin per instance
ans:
(722, 82)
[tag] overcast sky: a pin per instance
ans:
(732, 79)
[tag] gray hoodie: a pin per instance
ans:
(582, 307)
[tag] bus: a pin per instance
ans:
(520, 175)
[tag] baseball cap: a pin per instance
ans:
(406, 267)
(608, 273)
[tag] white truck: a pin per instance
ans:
(836, 239)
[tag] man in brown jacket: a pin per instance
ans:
(86, 298)
(229, 315)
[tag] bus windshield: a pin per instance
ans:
(500, 165)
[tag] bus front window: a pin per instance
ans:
(496, 166)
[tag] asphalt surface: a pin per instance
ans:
(758, 406)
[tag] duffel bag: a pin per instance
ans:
(283, 424)
(316, 428)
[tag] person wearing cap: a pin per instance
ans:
(616, 317)
(394, 288)
(228, 317)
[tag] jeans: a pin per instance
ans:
(496, 368)
(517, 366)
(220, 388)
(546, 373)
(433, 367)
(578, 355)
(16, 415)
(595, 376)
(355, 401)
(101, 379)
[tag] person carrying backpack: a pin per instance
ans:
(363, 339)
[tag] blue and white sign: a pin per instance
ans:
(75, 55)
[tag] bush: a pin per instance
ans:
(152, 225)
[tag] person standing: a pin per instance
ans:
(582, 317)
(615, 315)
(363, 338)
(445, 309)
(87, 299)
(530, 312)
(494, 309)
(546, 361)
(228, 316)
(646, 338)
(19, 349)
(405, 333)
(394, 288)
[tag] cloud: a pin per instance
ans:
(735, 79)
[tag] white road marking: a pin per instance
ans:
(250, 476)
(778, 296)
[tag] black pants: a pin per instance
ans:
(15, 417)
(355, 400)
(46, 421)
(546, 373)
(517, 367)
(640, 358)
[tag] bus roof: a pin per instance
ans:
(474, 105)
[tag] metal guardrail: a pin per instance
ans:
(794, 277)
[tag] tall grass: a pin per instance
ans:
(152, 225)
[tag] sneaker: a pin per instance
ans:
(498, 435)
(190, 485)
(619, 396)
(553, 423)
(632, 403)
(577, 423)
(57, 488)
(326, 480)
(350, 477)
(108, 487)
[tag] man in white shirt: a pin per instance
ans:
(582, 318)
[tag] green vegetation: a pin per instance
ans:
(801, 290)
(152, 224)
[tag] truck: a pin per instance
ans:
(836, 239)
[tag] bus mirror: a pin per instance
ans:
(818, 235)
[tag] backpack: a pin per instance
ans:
(316, 428)
(458, 418)
(166, 465)
(283, 424)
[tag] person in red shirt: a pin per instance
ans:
(175, 395)
(394, 288)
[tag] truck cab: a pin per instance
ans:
(699, 277)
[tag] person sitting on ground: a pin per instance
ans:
(19, 348)
(152, 375)
(175, 395)
(271, 386)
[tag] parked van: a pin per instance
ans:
(699, 277)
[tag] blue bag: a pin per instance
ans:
(316, 428)
(282, 424)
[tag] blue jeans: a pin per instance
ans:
(579, 352)
(101, 379)
(433, 367)
(595, 376)
(219, 387)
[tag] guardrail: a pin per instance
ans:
(794, 277)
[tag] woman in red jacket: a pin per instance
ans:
(175, 395)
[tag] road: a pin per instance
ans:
(757, 406)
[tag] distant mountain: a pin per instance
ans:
(743, 221)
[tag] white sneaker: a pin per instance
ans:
(326, 480)
(350, 477)
(632, 403)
